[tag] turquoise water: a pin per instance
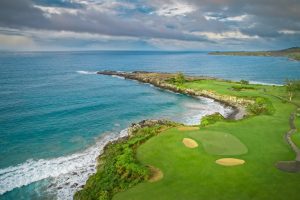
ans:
(56, 113)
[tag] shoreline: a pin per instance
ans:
(73, 185)
(237, 105)
(137, 135)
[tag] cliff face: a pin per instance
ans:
(159, 80)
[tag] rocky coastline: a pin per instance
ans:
(160, 80)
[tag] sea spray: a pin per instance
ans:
(68, 173)
(195, 111)
(86, 72)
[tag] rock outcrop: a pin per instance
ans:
(148, 123)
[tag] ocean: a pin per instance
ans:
(56, 113)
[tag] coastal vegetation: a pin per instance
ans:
(118, 169)
(292, 86)
(229, 155)
(211, 119)
(178, 79)
(292, 53)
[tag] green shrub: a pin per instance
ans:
(118, 167)
(244, 82)
(261, 106)
(211, 119)
(242, 87)
(178, 79)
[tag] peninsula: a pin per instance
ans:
(256, 149)
(292, 53)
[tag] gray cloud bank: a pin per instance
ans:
(194, 23)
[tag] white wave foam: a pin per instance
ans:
(116, 76)
(195, 111)
(68, 173)
(263, 83)
(86, 72)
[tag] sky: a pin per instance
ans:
(209, 25)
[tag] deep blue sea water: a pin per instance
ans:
(56, 113)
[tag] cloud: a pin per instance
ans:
(154, 23)
(175, 8)
(11, 42)
(289, 32)
(225, 35)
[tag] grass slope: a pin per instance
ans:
(193, 173)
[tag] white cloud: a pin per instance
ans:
(225, 35)
(75, 35)
(289, 32)
(175, 8)
(235, 18)
(48, 11)
(218, 17)
(110, 6)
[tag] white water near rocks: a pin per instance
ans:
(86, 72)
(69, 173)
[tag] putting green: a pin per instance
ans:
(219, 143)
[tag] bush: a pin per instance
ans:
(241, 87)
(118, 167)
(261, 106)
(178, 79)
(211, 119)
(244, 82)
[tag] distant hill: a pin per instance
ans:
(292, 53)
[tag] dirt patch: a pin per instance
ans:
(230, 161)
(190, 143)
(155, 174)
(187, 128)
(289, 166)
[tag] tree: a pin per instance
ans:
(292, 86)
(244, 82)
(179, 79)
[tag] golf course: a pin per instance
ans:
(237, 158)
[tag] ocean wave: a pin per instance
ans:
(263, 83)
(116, 76)
(196, 111)
(68, 173)
(86, 72)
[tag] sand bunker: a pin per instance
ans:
(230, 161)
(189, 143)
(155, 174)
(187, 128)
